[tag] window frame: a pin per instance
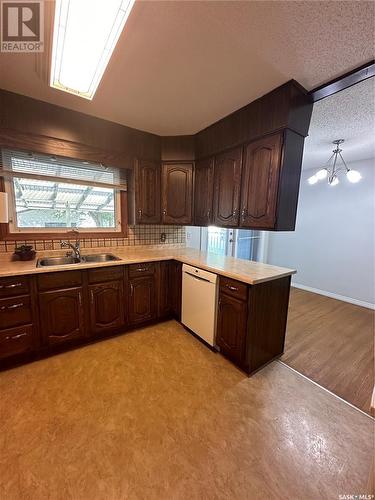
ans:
(6, 232)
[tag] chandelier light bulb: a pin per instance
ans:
(353, 176)
(321, 174)
(313, 179)
(334, 181)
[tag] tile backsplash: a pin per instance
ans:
(138, 235)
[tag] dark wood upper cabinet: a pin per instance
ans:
(106, 306)
(227, 185)
(260, 181)
(61, 315)
(142, 302)
(147, 192)
(203, 191)
(177, 193)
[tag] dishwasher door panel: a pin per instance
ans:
(199, 299)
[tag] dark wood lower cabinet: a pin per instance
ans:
(251, 327)
(231, 328)
(163, 280)
(142, 303)
(106, 306)
(61, 316)
(175, 288)
(64, 309)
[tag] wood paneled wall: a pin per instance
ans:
(288, 106)
(53, 129)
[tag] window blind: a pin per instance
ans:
(28, 165)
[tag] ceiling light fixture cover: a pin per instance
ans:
(84, 37)
(332, 169)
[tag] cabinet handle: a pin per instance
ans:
(244, 213)
(16, 337)
(131, 288)
(164, 211)
(141, 269)
(92, 297)
(80, 299)
(208, 214)
(233, 288)
(235, 212)
(13, 306)
(140, 212)
(12, 285)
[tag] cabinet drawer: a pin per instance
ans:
(145, 268)
(233, 288)
(62, 279)
(14, 285)
(106, 274)
(15, 311)
(16, 341)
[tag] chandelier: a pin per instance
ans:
(333, 168)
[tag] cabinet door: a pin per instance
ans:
(203, 191)
(142, 299)
(147, 188)
(175, 288)
(232, 328)
(106, 306)
(177, 193)
(61, 315)
(260, 182)
(227, 182)
(164, 303)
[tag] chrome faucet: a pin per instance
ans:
(76, 248)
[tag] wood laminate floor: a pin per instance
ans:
(154, 414)
(332, 342)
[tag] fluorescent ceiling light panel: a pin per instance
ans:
(84, 37)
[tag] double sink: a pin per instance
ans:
(84, 259)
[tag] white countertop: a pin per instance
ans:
(239, 269)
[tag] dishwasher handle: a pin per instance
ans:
(197, 277)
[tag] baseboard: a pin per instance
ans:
(356, 302)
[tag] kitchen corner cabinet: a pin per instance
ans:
(252, 321)
(147, 192)
(227, 187)
(203, 191)
(177, 193)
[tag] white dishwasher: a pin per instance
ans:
(199, 300)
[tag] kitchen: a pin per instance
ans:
(112, 331)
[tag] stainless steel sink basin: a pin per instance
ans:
(99, 257)
(57, 261)
(64, 261)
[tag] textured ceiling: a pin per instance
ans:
(179, 65)
(348, 115)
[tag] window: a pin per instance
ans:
(55, 194)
